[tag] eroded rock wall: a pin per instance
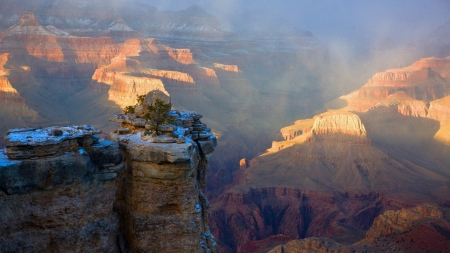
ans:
(57, 188)
(160, 201)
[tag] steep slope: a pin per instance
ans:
(383, 140)
(13, 107)
(424, 228)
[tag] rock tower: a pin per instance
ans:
(160, 200)
(62, 189)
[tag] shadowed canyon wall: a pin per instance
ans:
(332, 175)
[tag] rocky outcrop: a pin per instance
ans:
(440, 110)
(300, 127)
(230, 68)
(418, 84)
(339, 126)
(204, 76)
(401, 103)
(381, 143)
(57, 188)
(240, 219)
(330, 127)
(174, 76)
(311, 245)
(425, 80)
(396, 222)
(161, 203)
(422, 228)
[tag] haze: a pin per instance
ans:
(361, 24)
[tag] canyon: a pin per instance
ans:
(330, 174)
(65, 67)
(419, 229)
(377, 149)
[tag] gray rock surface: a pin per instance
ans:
(57, 193)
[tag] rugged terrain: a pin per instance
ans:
(382, 147)
(57, 189)
(379, 148)
(65, 68)
(424, 228)
(63, 189)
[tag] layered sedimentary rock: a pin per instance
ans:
(230, 68)
(395, 222)
(311, 245)
(419, 229)
(95, 18)
(440, 110)
(300, 127)
(425, 80)
(389, 139)
(161, 203)
(57, 188)
(13, 106)
(418, 84)
(245, 217)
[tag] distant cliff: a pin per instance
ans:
(382, 147)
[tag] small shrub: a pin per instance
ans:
(140, 99)
(157, 115)
(128, 109)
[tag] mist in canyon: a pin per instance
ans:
(361, 37)
(302, 97)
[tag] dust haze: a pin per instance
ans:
(363, 37)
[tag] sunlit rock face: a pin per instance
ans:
(79, 78)
(389, 139)
(395, 222)
(57, 189)
(425, 80)
(230, 68)
(13, 106)
(418, 84)
(440, 109)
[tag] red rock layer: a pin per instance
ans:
(240, 218)
(394, 222)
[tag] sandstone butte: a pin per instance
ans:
(40, 65)
(63, 189)
(60, 77)
(383, 147)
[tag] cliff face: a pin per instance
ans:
(439, 110)
(383, 140)
(57, 188)
(395, 222)
(160, 200)
(425, 80)
(243, 219)
(62, 189)
(419, 229)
